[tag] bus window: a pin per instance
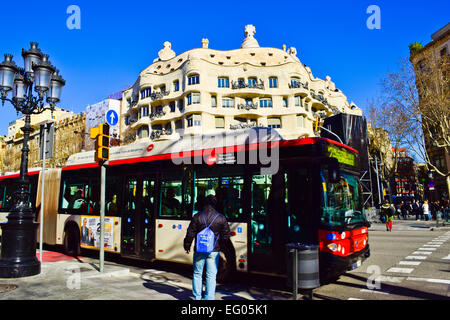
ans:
(203, 188)
(175, 195)
(229, 197)
(112, 195)
(2, 197)
(75, 193)
(342, 201)
(300, 210)
(94, 198)
(261, 234)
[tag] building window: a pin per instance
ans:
(265, 103)
(213, 101)
(172, 106)
(143, 132)
(228, 102)
(194, 79)
(220, 122)
(193, 98)
(176, 85)
(298, 101)
(252, 82)
(223, 82)
(273, 82)
(179, 124)
(274, 123)
(300, 121)
(285, 102)
(194, 120)
(145, 93)
(295, 81)
(145, 111)
(181, 105)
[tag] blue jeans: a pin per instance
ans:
(212, 263)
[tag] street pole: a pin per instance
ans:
(378, 181)
(102, 215)
(41, 226)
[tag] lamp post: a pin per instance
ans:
(18, 251)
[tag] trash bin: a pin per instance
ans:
(303, 266)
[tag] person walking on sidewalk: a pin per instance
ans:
(426, 210)
(210, 219)
(388, 211)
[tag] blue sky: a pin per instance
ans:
(119, 39)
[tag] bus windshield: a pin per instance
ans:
(342, 201)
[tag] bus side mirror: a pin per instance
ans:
(334, 174)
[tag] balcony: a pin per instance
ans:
(298, 85)
(241, 126)
(156, 134)
(159, 95)
(156, 114)
(249, 106)
(250, 85)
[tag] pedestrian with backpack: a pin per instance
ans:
(388, 211)
(209, 228)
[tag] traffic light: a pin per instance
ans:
(101, 136)
(316, 124)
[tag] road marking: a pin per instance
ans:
(432, 245)
(375, 291)
(422, 252)
(389, 279)
(401, 270)
(354, 299)
(432, 249)
(429, 280)
(447, 257)
(410, 263)
(416, 257)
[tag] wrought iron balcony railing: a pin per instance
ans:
(242, 126)
(156, 134)
(298, 84)
(248, 106)
(251, 85)
(159, 95)
(157, 114)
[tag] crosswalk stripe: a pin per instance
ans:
(416, 257)
(401, 270)
(410, 263)
(422, 252)
(429, 280)
(432, 249)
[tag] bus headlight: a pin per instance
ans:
(333, 247)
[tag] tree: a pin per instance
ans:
(414, 108)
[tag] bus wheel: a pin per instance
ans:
(225, 271)
(71, 242)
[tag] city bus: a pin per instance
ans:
(272, 192)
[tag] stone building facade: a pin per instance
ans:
(204, 91)
(67, 140)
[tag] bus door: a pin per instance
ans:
(267, 223)
(138, 217)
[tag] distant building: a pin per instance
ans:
(405, 175)
(204, 90)
(433, 52)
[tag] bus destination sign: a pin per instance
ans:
(342, 156)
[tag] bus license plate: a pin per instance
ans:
(357, 264)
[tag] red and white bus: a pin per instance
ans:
(153, 190)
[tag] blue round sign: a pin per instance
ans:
(112, 118)
(431, 184)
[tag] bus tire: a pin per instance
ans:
(72, 241)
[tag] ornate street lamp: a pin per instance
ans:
(18, 251)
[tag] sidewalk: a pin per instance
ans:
(411, 224)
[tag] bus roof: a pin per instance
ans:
(189, 146)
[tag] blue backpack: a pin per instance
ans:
(205, 238)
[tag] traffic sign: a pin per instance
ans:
(431, 184)
(112, 118)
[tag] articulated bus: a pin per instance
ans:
(272, 192)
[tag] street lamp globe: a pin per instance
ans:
(56, 84)
(20, 89)
(8, 69)
(31, 56)
(42, 74)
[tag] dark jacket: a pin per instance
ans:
(219, 227)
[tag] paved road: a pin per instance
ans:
(412, 262)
